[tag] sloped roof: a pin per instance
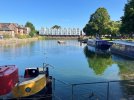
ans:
(5, 29)
(6, 26)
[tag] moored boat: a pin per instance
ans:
(123, 48)
(61, 42)
(99, 44)
(8, 78)
(33, 85)
(35, 82)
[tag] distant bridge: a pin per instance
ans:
(61, 32)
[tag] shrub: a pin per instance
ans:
(22, 36)
(7, 36)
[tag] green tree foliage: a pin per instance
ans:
(127, 26)
(113, 28)
(32, 28)
(88, 30)
(98, 22)
(56, 26)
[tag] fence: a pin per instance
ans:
(106, 90)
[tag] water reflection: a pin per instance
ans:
(70, 65)
(126, 68)
(98, 62)
(126, 72)
(11, 51)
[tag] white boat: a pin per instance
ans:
(61, 42)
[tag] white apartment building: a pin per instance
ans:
(61, 31)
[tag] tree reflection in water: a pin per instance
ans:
(127, 73)
(98, 61)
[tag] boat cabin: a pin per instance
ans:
(99, 44)
(31, 72)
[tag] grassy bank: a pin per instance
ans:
(17, 41)
(59, 38)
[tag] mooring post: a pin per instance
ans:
(72, 92)
(53, 87)
(54, 84)
(108, 91)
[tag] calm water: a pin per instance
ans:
(73, 63)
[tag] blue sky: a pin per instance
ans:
(66, 13)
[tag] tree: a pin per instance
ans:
(56, 26)
(98, 22)
(113, 28)
(87, 30)
(32, 28)
(128, 18)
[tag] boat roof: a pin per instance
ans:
(130, 43)
(7, 70)
(97, 40)
(31, 68)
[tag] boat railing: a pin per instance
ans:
(47, 65)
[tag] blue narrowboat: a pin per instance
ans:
(123, 48)
(99, 44)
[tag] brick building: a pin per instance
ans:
(13, 28)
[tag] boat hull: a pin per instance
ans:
(29, 88)
(8, 78)
(103, 47)
(44, 94)
(61, 42)
(123, 53)
(123, 49)
(99, 44)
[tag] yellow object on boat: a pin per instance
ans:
(30, 87)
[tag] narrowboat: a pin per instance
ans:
(123, 48)
(8, 78)
(33, 85)
(99, 44)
